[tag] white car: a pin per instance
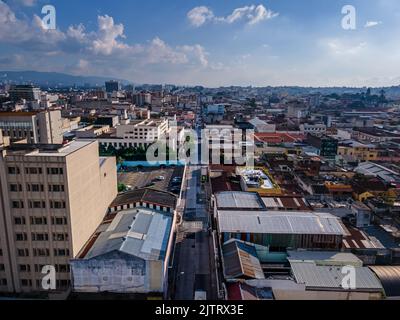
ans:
(200, 295)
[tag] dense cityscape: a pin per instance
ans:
(78, 192)
(191, 158)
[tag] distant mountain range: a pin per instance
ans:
(52, 79)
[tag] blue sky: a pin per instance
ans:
(211, 43)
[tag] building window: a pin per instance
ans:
(55, 171)
(24, 268)
(19, 221)
(57, 204)
(3, 282)
(39, 267)
(33, 170)
(56, 188)
(60, 237)
(17, 204)
(61, 252)
(62, 268)
(2, 267)
(26, 282)
(21, 237)
(13, 170)
(59, 221)
(40, 237)
(15, 187)
(38, 220)
(37, 204)
(34, 187)
(41, 252)
(23, 252)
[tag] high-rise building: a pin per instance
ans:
(142, 98)
(27, 92)
(43, 127)
(112, 86)
(52, 199)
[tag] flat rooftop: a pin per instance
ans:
(286, 203)
(325, 258)
(239, 200)
(331, 277)
(280, 222)
(48, 150)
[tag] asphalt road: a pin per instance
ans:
(194, 263)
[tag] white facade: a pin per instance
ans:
(313, 128)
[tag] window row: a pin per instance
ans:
(37, 187)
(34, 170)
(37, 204)
(43, 252)
(61, 268)
(42, 237)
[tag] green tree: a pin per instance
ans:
(122, 187)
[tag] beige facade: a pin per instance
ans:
(52, 200)
(137, 134)
(37, 127)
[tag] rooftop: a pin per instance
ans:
(357, 239)
(286, 203)
(239, 200)
(390, 279)
(377, 170)
(149, 195)
(18, 114)
(241, 260)
(138, 232)
(331, 277)
(280, 222)
(325, 258)
(48, 150)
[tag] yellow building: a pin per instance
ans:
(259, 180)
(359, 151)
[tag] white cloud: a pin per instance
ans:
(159, 52)
(200, 15)
(253, 14)
(261, 13)
(103, 51)
(341, 48)
(198, 53)
(107, 36)
(371, 24)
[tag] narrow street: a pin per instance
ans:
(194, 264)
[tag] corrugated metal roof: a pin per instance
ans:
(280, 222)
(139, 232)
(149, 195)
(374, 169)
(390, 278)
(325, 257)
(237, 199)
(241, 260)
(331, 277)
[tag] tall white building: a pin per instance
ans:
(40, 127)
(52, 198)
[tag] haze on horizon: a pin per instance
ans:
(210, 43)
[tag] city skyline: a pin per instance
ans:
(207, 43)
